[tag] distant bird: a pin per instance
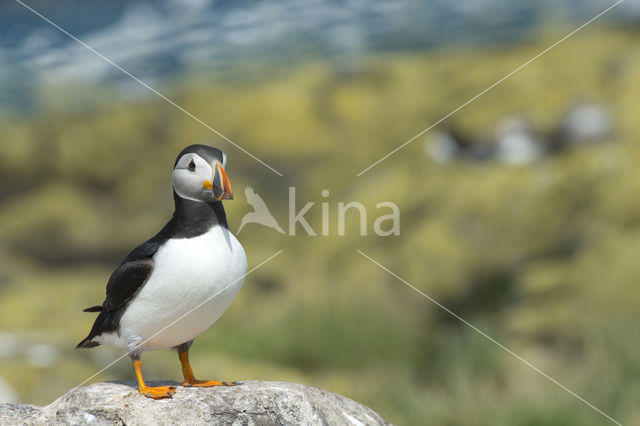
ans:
(450, 144)
(260, 213)
(585, 123)
(516, 142)
(173, 287)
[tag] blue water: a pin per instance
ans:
(161, 39)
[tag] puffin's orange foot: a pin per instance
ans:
(206, 383)
(158, 392)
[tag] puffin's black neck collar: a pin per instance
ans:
(193, 218)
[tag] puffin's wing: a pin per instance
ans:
(133, 272)
(126, 281)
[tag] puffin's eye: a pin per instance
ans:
(192, 166)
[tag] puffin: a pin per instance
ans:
(174, 286)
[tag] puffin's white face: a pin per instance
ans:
(197, 180)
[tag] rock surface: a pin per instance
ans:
(249, 403)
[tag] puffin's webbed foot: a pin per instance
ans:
(205, 383)
(157, 392)
(190, 379)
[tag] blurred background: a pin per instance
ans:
(520, 212)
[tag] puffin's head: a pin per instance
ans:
(199, 174)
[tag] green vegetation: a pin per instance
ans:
(543, 257)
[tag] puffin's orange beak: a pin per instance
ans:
(221, 185)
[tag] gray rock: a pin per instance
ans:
(20, 414)
(249, 403)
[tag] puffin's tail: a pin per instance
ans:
(87, 343)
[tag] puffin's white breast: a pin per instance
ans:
(194, 280)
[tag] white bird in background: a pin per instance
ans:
(260, 213)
